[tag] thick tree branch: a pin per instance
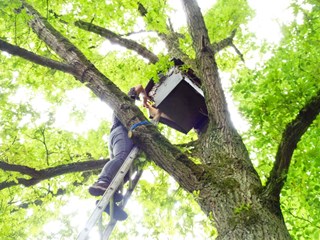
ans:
(157, 148)
(216, 101)
(32, 57)
(216, 47)
(228, 150)
(219, 117)
(19, 168)
(117, 39)
(40, 175)
(290, 138)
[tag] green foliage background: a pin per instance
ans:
(269, 96)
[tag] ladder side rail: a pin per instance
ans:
(130, 191)
(126, 197)
(101, 228)
(102, 204)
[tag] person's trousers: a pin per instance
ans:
(120, 146)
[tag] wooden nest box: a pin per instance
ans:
(178, 96)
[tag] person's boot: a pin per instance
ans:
(98, 189)
(118, 213)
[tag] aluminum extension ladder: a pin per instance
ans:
(107, 198)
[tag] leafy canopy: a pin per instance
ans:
(31, 97)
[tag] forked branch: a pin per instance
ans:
(227, 42)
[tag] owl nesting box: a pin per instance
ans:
(178, 96)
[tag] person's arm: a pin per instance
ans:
(134, 93)
(140, 90)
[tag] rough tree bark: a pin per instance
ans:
(225, 184)
(232, 190)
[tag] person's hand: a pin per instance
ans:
(145, 100)
(153, 112)
(147, 105)
(140, 90)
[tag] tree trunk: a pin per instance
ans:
(231, 187)
(230, 193)
(240, 215)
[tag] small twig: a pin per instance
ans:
(133, 33)
(237, 51)
(45, 145)
(303, 219)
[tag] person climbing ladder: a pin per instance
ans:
(120, 146)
